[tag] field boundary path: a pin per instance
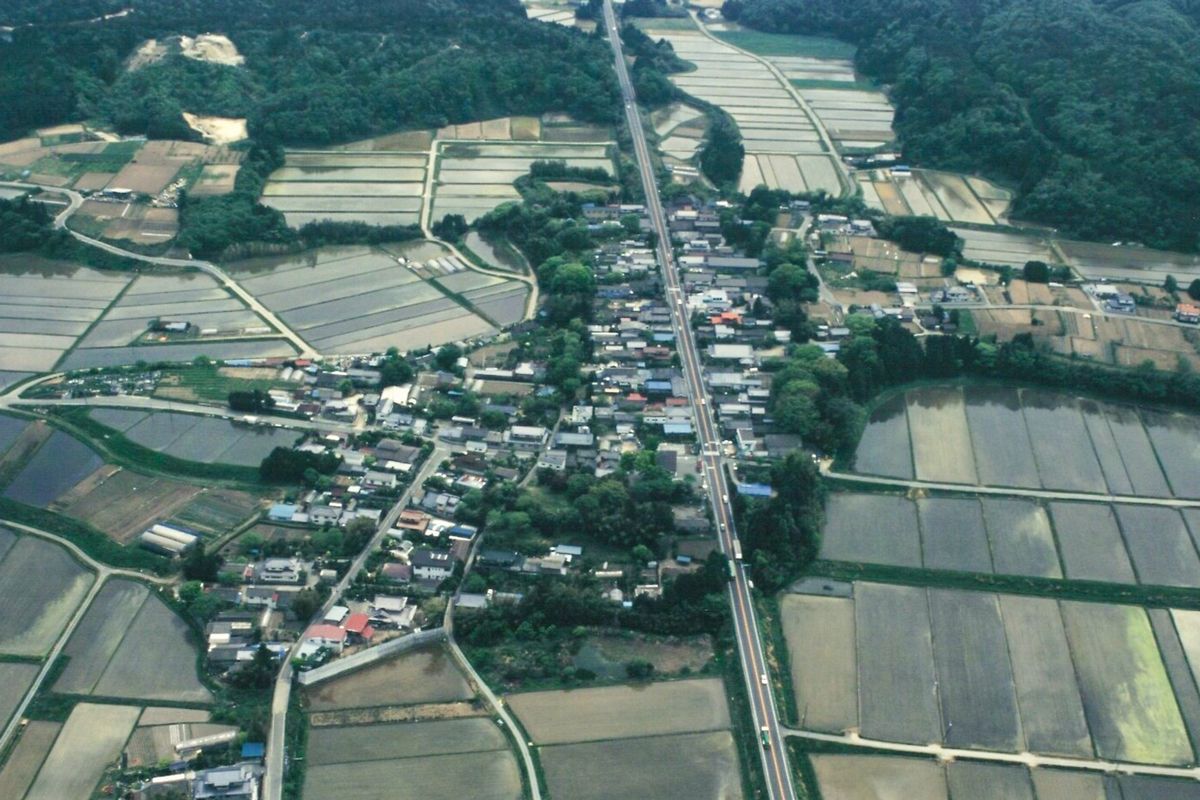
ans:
(1031, 760)
(76, 200)
(141, 402)
(843, 175)
(1089, 312)
(496, 704)
(1045, 494)
(777, 774)
(272, 784)
(103, 573)
(531, 300)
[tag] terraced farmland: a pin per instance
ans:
(996, 672)
(948, 196)
(358, 300)
(475, 177)
(378, 188)
(1032, 438)
(783, 147)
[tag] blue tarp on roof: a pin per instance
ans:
(754, 489)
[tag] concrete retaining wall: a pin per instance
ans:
(363, 658)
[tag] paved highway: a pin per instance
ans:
(750, 648)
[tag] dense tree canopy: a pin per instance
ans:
(1089, 108)
(24, 225)
(314, 73)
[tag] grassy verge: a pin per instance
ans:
(1089, 591)
(88, 539)
(539, 773)
(815, 83)
(665, 23)
(745, 736)
(966, 323)
(115, 447)
(206, 382)
(770, 625)
(49, 706)
(296, 748)
(778, 44)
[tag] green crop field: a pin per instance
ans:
(774, 44)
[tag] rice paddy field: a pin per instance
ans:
(194, 298)
(1003, 249)
(783, 147)
(1095, 260)
(1125, 544)
(659, 740)
(680, 130)
(129, 644)
(474, 177)
(1032, 438)
(26, 757)
(697, 765)
(46, 306)
(412, 761)
(882, 777)
(41, 586)
(59, 463)
(426, 675)
(208, 440)
(91, 739)
(60, 314)
(856, 117)
(375, 187)
(360, 300)
(998, 672)
(948, 196)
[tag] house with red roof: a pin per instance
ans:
(358, 628)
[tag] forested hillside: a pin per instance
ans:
(315, 72)
(1090, 107)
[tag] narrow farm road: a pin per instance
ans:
(103, 573)
(76, 200)
(141, 402)
(1087, 312)
(1047, 494)
(1025, 759)
(494, 702)
(272, 786)
(826, 141)
(531, 300)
